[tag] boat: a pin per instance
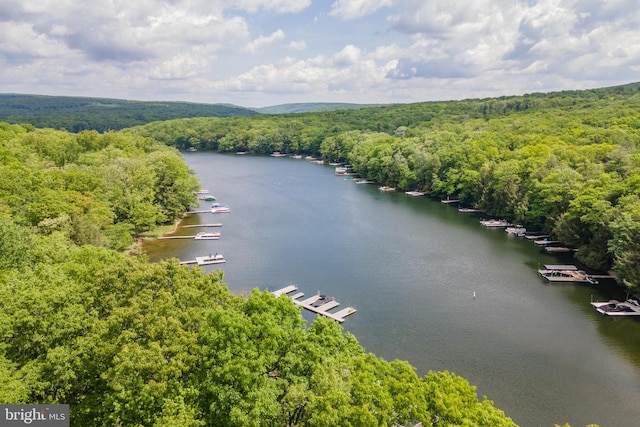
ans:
(571, 275)
(322, 300)
(414, 193)
(363, 181)
(214, 235)
(495, 223)
(386, 188)
(208, 198)
(517, 230)
(630, 307)
(341, 170)
(220, 209)
(468, 210)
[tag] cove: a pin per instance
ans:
(411, 266)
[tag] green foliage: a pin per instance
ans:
(76, 114)
(562, 163)
(95, 189)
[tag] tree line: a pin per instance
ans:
(127, 342)
(564, 163)
(76, 114)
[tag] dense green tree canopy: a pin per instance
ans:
(127, 342)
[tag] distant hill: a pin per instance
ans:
(79, 113)
(311, 107)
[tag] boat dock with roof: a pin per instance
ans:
(319, 304)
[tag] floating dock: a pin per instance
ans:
(318, 304)
(202, 225)
(189, 237)
(205, 260)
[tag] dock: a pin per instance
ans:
(188, 237)
(202, 225)
(199, 211)
(316, 303)
(205, 260)
(285, 290)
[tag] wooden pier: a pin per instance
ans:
(311, 304)
(202, 225)
(199, 211)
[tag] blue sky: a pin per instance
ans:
(256, 53)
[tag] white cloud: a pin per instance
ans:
(262, 42)
(278, 6)
(203, 50)
(297, 45)
(352, 9)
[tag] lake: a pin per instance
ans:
(431, 286)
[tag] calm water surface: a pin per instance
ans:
(411, 267)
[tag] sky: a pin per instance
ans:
(257, 53)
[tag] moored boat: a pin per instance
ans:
(219, 208)
(213, 235)
(517, 230)
(614, 308)
(496, 223)
(414, 193)
(571, 275)
(386, 188)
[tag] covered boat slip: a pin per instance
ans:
(319, 304)
(567, 267)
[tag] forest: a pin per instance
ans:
(564, 163)
(88, 322)
(76, 114)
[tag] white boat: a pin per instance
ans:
(363, 181)
(218, 208)
(214, 235)
(496, 223)
(414, 193)
(386, 188)
(567, 276)
(517, 230)
(630, 307)
(468, 210)
(341, 170)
